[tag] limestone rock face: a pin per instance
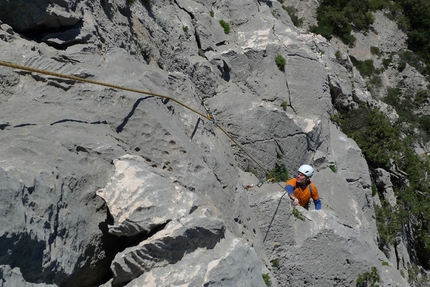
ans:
(145, 186)
(140, 200)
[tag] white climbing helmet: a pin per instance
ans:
(306, 170)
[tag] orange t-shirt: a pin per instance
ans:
(302, 193)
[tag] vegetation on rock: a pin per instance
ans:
(292, 12)
(369, 278)
(297, 214)
(279, 171)
(385, 144)
(185, 29)
(225, 26)
(266, 279)
(280, 62)
(389, 146)
(340, 17)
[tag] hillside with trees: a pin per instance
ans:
(386, 144)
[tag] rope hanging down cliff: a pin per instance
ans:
(209, 115)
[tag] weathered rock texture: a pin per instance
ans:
(101, 186)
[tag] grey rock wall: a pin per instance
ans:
(106, 187)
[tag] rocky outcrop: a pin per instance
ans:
(106, 187)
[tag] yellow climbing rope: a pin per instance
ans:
(79, 79)
(208, 115)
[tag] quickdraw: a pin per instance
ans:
(209, 113)
(260, 183)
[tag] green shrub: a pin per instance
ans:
(388, 224)
(338, 17)
(185, 29)
(424, 123)
(374, 190)
(374, 134)
(292, 12)
(416, 278)
(401, 66)
(375, 81)
(422, 97)
(284, 105)
(266, 279)
(297, 214)
(369, 278)
(374, 50)
(324, 30)
(338, 55)
(145, 51)
(275, 262)
(348, 38)
(333, 168)
(338, 118)
(365, 67)
(280, 62)
(225, 26)
(403, 104)
(386, 62)
(378, 4)
(279, 172)
(413, 60)
(417, 14)
(212, 13)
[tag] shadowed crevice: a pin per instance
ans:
(130, 114)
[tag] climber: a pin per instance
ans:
(301, 189)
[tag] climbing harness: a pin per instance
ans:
(209, 114)
(300, 196)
